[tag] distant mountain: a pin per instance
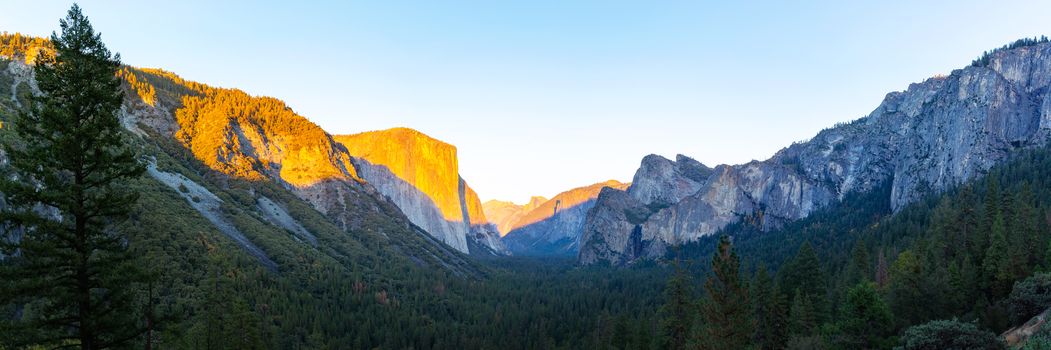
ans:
(504, 214)
(553, 227)
(420, 175)
(932, 136)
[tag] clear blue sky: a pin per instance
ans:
(542, 96)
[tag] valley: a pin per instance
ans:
(254, 228)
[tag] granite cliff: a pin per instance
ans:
(420, 175)
(933, 135)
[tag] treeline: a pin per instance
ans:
(18, 46)
(983, 60)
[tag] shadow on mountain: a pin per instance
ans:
(420, 209)
(556, 235)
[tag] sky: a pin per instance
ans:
(542, 96)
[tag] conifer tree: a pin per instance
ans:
(860, 268)
(678, 310)
(882, 272)
(997, 262)
(804, 273)
(771, 319)
(802, 321)
(71, 272)
(866, 322)
(728, 322)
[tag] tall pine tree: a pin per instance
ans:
(866, 322)
(678, 310)
(771, 319)
(728, 322)
(70, 272)
(804, 273)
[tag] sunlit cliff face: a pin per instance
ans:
(429, 165)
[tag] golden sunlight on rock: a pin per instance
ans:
(504, 214)
(564, 200)
(427, 164)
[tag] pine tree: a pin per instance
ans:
(882, 273)
(860, 268)
(1023, 225)
(866, 322)
(621, 334)
(771, 319)
(997, 262)
(728, 322)
(802, 321)
(678, 310)
(73, 273)
(804, 273)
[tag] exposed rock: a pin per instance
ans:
(209, 205)
(660, 181)
(279, 216)
(612, 231)
(554, 226)
(505, 214)
(932, 136)
(421, 176)
(1018, 336)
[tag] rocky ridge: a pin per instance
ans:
(935, 134)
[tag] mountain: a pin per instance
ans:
(934, 135)
(504, 214)
(420, 175)
(553, 227)
(229, 136)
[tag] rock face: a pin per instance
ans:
(933, 135)
(553, 227)
(421, 176)
(505, 214)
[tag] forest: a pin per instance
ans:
(127, 262)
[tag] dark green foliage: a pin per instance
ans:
(866, 321)
(71, 271)
(771, 312)
(677, 313)
(802, 321)
(803, 274)
(860, 268)
(948, 335)
(727, 311)
(1030, 297)
(908, 292)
